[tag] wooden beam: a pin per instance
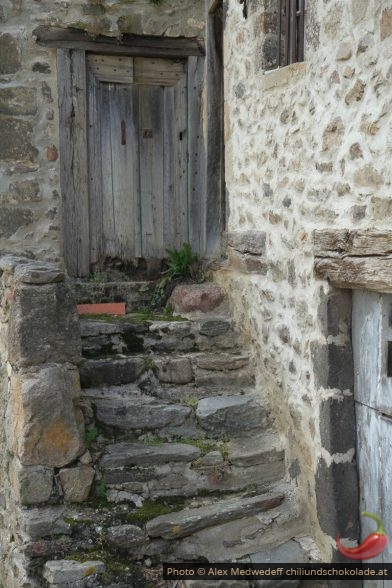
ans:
(341, 242)
(361, 273)
(70, 38)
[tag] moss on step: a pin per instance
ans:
(155, 508)
(137, 317)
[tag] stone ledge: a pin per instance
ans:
(30, 271)
(282, 76)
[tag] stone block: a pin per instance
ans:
(174, 371)
(337, 424)
(12, 219)
(110, 372)
(356, 93)
(231, 414)
(334, 312)
(38, 273)
(344, 51)
(44, 427)
(44, 325)
(41, 67)
(15, 142)
(21, 100)
(253, 242)
(126, 454)
(333, 133)
(77, 482)
(386, 24)
(22, 192)
(215, 328)
(10, 59)
(247, 263)
(333, 365)
(32, 484)
(196, 297)
(337, 499)
(126, 538)
(45, 522)
(67, 572)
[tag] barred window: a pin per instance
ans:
(290, 32)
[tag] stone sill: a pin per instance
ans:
(278, 78)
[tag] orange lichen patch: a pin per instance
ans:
(58, 436)
(90, 571)
(176, 529)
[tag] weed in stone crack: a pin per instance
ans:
(205, 445)
(191, 401)
(154, 508)
(90, 435)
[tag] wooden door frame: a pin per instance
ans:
(205, 163)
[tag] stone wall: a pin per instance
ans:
(307, 147)
(30, 198)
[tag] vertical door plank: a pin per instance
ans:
(169, 169)
(180, 146)
(95, 170)
(124, 156)
(196, 170)
(384, 403)
(109, 229)
(366, 346)
(72, 85)
(151, 170)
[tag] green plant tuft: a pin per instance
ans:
(183, 264)
(90, 435)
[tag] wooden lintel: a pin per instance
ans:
(342, 242)
(360, 273)
(71, 38)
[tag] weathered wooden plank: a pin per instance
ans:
(112, 68)
(72, 84)
(169, 171)
(215, 141)
(337, 242)
(366, 273)
(180, 149)
(366, 346)
(68, 38)
(108, 229)
(158, 72)
(151, 170)
(95, 169)
(196, 149)
(124, 156)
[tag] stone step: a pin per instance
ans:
(125, 409)
(249, 534)
(186, 522)
(183, 469)
(112, 371)
(103, 337)
(239, 415)
(136, 295)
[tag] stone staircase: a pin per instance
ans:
(188, 466)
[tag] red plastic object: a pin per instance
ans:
(115, 308)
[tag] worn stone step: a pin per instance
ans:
(126, 409)
(172, 469)
(186, 522)
(100, 337)
(189, 393)
(125, 454)
(240, 415)
(136, 295)
(240, 537)
(260, 449)
(112, 371)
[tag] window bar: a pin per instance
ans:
(287, 34)
(293, 31)
(279, 36)
(301, 31)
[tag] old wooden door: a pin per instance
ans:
(144, 157)
(372, 342)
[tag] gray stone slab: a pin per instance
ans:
(123, 454)
(174, 370)
(126, 538)
(252, 241)
(44, 522)
(215, 327)
(241, 414)
(38, 273)
(221, 362)
(68, 572)
(111, 372)
(289, 552)
(186, 522)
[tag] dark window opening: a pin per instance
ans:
(291, 28)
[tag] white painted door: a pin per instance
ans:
(372, 344)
